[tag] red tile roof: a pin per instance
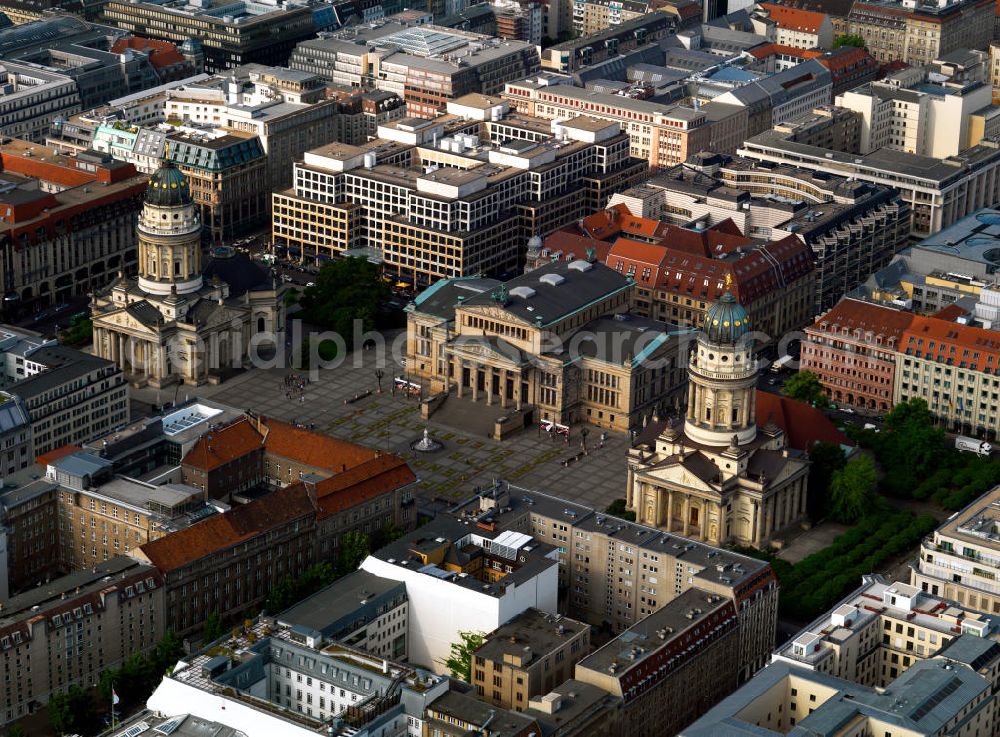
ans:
(161, 53)
(222, 531)
(362, 483)
(312, 448)
(932, 338)
(56, 453)
(794, 19)
(218, 447)
(951, 313)
(856, 314)
(772, 49)
(803, 424)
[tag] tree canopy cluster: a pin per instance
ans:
(346, 289)
(918, 464)
(816, 583)
(76, 710)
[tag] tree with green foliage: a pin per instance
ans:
(78, 335)
(825, 459)
(16, 731)
(459, 663)
(805, 387)
(354, 548)
(852, 490)
(909, 448)
(346, 289)
(849, 39)
(290, 590)
(213, 628)
(385, 535)
(71, 711)
(617, 508)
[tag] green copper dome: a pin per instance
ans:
(726, 321)
(168, 187)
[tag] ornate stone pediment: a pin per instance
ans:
(122, 322)
(486, 348)
(677, 476)
(495, 312)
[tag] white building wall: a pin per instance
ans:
(440, 610)
(173, 697)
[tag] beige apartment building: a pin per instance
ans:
(662, 134)
(527, 657)
(671, 667)
(102, 515)
(615, 573)
(920, 33)
(954, 368)
(880, 630)
(558, 339)
(961, 559)
(70, 630)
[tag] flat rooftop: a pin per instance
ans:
(533, 633)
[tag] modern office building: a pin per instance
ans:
(880, 630)
(960, 560)
(908, 112)
(229, 34)
(664, 134)
(556, 343)
(425, 65)
(852, 348)
(938, 191)
(453, 197)
(615, 573)
(288, 110)
(527, 657)
(82, 624)
(359, 610)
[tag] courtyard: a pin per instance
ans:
(391, 421)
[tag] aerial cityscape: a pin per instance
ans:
(500, 368)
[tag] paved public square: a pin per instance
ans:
(392, 422)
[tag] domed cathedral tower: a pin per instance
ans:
(722, 378)
(169, 235)
(177, 320)
(714, 475)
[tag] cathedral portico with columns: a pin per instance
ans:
(179, 320)
(714, 475)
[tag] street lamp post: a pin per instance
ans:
(379, 373)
